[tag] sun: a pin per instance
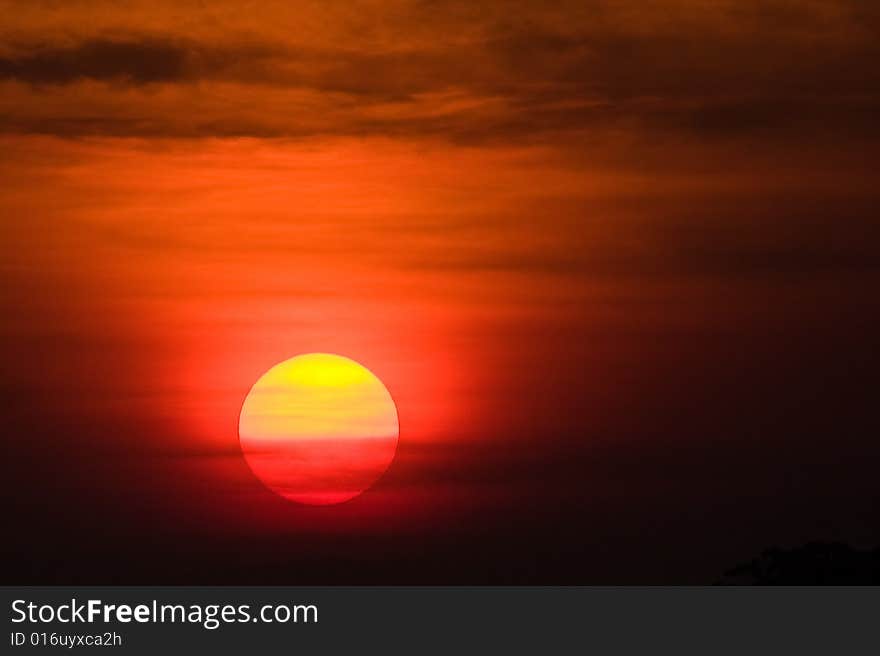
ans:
(318, 428)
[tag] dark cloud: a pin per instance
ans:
(768, 70)
(141, 60)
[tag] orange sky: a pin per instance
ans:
(546, 230)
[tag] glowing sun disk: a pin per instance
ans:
(318, 428)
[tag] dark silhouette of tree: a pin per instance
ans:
(815, 563)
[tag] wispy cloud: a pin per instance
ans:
(770, 70)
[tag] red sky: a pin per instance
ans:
(615, 261)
